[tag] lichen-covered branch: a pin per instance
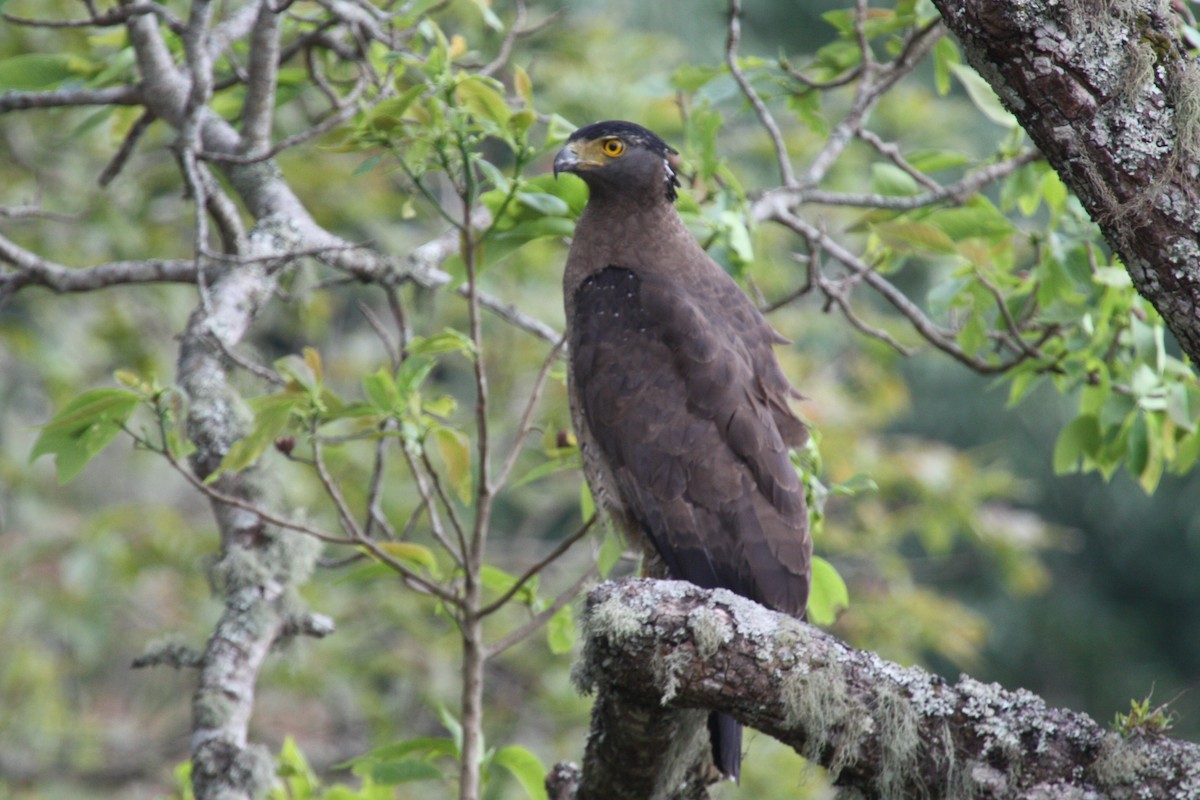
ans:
(658, 650)
(1107, 93)
(260, 566)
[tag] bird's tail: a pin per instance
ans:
(726, 735)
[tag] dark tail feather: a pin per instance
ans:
(726, 734)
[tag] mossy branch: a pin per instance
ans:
(658, 651)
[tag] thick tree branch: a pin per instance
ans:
(657, 650)
(33, 270)
(260, 565)
(1114, 105)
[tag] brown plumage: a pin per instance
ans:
(679, 403)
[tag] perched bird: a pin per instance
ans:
(680, 406)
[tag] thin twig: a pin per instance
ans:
(119, 159)
(787, 176)
(893, 154)
(543, 616)
(931, 332)
(384, 339)
(524, 426)
(118, 15)
(459, 530)
(550, 558)
(435, 520)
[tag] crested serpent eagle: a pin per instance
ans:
(680, 406)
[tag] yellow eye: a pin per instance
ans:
(613, 147)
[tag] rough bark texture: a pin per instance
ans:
(260, 568)
(656, 649)
(1103, 88)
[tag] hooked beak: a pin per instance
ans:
(567, 160)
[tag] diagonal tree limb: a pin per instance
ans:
(658, 650)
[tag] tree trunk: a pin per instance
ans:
(1107, 92)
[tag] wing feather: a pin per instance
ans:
(685, 401)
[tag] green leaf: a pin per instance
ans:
(570, 461)
(610, 551)
(526, 768)
(294, 769)
(502, 244)
(937, 160)
(587, 506)
(889, 179)
(448, 341)
(390, 773)
(523, 85)
(32, 71)
(1116, 277)
(368, 165)
(83, 428)
(455, 449)
(489, 17)
(542, 203)
(828, 595)
(691, 77)
(977, 219)
(1022, 384)
(1178, 407)
(973, 335)
(1080, 439)
(1054, 191)
(272, 413)
(380, 389)
(560, 631)
(428, 746)
(452, 725)
(499, 581)
(983, 97)
(411, 552)
(479, 97)
(905, 235)
(495, 178)
(300, 372)
(412, 374)
(396, 106)
(945, 57)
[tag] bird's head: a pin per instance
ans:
(618, 158)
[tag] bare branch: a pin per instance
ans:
(33, 270)
(258, 109)
(893, 154)
(523, 427)
(787, 176)
(119, 159)
(932, 333)
(779, 200)
(874, 84)
(435, 520)
(63, 98)
(542, 617)
(549, 559)
(114, 16)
